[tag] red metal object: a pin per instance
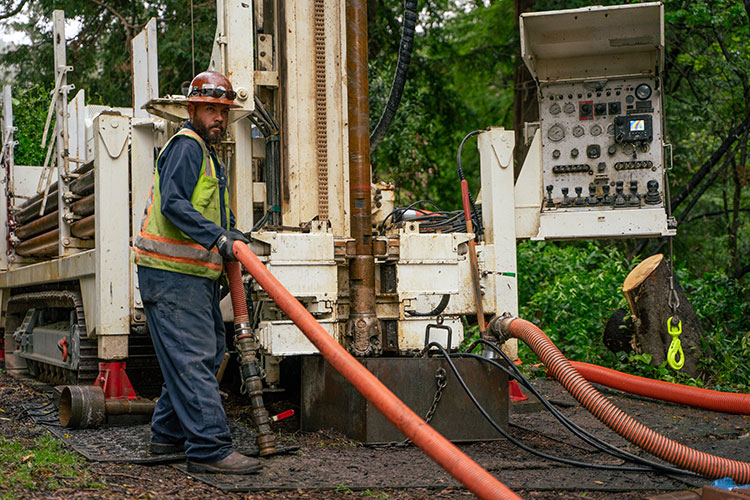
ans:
(515, 391)
(114, 381)
(283, 415)
(63, 346)
(480, 482)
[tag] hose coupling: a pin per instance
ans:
(499, 326)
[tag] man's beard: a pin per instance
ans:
(208, 135)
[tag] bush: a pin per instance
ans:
(570, 289)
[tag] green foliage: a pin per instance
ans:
(723, 306)
(570, 290)
(30, 106)
(41, 465)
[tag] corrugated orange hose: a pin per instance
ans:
(660, 446)
(454, 461)
(726, 402)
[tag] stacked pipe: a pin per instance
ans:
(247, 346)
(37, 219)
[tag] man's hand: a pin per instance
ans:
(226, 242)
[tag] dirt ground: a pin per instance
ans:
(326, 452)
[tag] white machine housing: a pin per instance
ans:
(601, 129)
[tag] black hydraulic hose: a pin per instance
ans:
(581, 433)
(513, 440)
(272, 164)
(479, 229)
(399, 78)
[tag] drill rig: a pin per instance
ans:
(297, 154)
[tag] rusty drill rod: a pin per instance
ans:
(247, 346)
(363, 325)
(446, 454)
(473, 259)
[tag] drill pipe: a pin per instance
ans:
(83, 207)
(363, 325)
(246, 345)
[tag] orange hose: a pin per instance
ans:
(660, 446)
(454, 461)
(237, 291)
(726, 402)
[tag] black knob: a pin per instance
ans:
(652, 193)
(607, 199)
(574, 152)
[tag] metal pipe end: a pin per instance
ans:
(499, 326)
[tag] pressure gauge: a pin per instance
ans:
(643, 91)
(569, 108)
(628, 148)
(611, 129)
(554, 109)
(556, 133)
(578, 131)
(595, 130)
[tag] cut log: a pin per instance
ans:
(646, 289)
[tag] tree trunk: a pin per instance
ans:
(647, 290)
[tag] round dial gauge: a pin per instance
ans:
(611, 129)
(556, 133)
(595, 130)
(554, 109)
(628, 148)
(643, 91)
(569, 108)
(578, 131)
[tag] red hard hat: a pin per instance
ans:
(212, 87)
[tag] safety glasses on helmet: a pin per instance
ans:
(213, 92)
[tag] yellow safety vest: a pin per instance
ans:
(161, 245)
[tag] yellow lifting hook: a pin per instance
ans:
(675, 348)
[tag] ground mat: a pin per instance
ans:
(128, 443)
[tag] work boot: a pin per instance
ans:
(165, 448)
(234, 463)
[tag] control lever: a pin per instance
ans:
(550, 203)
(578, 200)
(593, 200)
(607, 199)
(619, 194)
(635, 198)
(565, 200)
(652, 196)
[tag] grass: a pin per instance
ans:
(41, 464)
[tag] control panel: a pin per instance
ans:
(602, 144)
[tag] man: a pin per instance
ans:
(186, 231)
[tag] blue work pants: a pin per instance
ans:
(189, 338)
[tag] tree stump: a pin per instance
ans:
(647, 290)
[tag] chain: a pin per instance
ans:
(441, 379)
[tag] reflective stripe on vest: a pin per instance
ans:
(162, 245)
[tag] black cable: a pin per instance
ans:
(399, 78)
(515, 441)
(513, 371)
(479, 230)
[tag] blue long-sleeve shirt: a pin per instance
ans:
(179, 169)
